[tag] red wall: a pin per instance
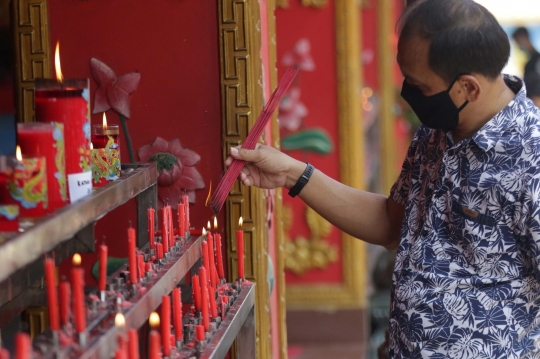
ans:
(174, 46)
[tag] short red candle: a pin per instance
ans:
(155, 338)
(177, 312)
(159, 251)
(132, 259)
(4, 354)
(219, 257)
(106, 153)
(206, 259)
(148, 267)
(23, 348)
(199, 331)
(52, 294)
(122, 351)
(47, 140)
(151, 227)
(65, 302)
(165, 230)
(133, 352)
(181, 220)
(67, 103)
(102, 280)
(140, 263)
(166, 325)
(204, 298)
(240, 250)
(77, 285)
(212, 299)
(196, 288)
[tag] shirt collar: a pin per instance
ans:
(491, 132)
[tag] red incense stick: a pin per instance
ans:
(227, 182)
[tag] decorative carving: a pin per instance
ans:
(304, 254)
(315, 3)
(242, 99)
(348, 294)
(32, 57)
(282, 3)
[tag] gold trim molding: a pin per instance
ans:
(241, 102)
(348, 294)
(32, 55)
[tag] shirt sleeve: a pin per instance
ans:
(530, 214)
(400, 189)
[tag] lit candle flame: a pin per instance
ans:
(91, 146)
(154, 320)
(120, 320)
(204, 231)
(240, 222)
(18, 154)
(209, 195)
(77, 260)
(59, 75)
(215, 223)
(104, 121)
(208, 226)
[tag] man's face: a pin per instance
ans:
(412, 59)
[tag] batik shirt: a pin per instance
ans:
(467, 273)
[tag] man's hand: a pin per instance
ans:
(267, 167)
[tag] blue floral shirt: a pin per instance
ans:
(466, 282)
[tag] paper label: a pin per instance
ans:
(80, 185)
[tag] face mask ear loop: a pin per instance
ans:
(463, 106)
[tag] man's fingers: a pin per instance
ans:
(245, 155)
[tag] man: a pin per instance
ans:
(464, 214)
(531, 75)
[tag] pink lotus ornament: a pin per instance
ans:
(299, 56)
(292, 110)
(176, 167)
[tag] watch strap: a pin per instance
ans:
(302, 181)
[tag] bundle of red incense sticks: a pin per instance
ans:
(227, 182)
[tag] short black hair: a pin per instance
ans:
(465, 37)
(520, 31)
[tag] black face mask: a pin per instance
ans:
(438, 111)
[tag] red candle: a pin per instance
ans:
(122, 351)
(47, 140)
(77, 285)
(106, 153)
(186, 210)
(151, 227)
(210, 239)
(221, 272)
(155, 338)
(181, 220)
(148, 267)
(52, 294)
(224, 302)
(65, 299)
(206, 260)
(199, 331)
(4, 354)
(212, 298)
(23, 348)
(102, 282)
(140, 263)
(171, 226)
(204, 298)
(177, 312)
(166, 325)
(132, 259)
(159, 250)
(133, 352)
(165, 229)
(240, 249)
(196, 288)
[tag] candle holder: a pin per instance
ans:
(106, 154)
(67, 102)
(9, 218)
(47, 140)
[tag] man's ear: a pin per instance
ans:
(469, 87)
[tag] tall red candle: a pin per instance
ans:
(210, 239)
(165, 229)
(171, 226)
(219, 257)
(159, 251)
(196, 292)
(186, 204)
(240, 249)
(166, 325)
(177, 312)
(212, 300)
(155, 338)
(65, 302)
(206, 259)
(151, 227)
(52, 294)
(132, 259)
(23, 347)
(102, 280)
(199, 332)
(204, 298)
(133, 348)
(47, 140)
(181, 220)
(77, 285)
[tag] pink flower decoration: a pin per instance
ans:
(300, 56)
(177, 173)
(291, 110)
(112, 92)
